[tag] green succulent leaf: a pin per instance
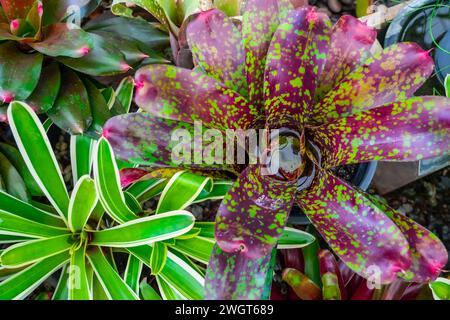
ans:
(124, 94)
(219, 190)
(177, 274)
(61, 291)
(21, 284)
(114, 287)
(167, 291)
(147, 292)
(38, 155)
(19, 72)
(22, 209)
(447, 85)
(293, 238)
(440, 289)
(198, 248)
(181, 190)
(145, 230)
(71, 111)
(133, 272)
(144, 190)
(82, 202)
(107, 180)
(25, 253)
(158, 258)
(78, 284)
(81, 149)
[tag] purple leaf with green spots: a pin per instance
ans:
(216, 47)
(254, 213)
(234, 276)
(297, 52)
(350, 43)
(429, 256)
(413, 129)
(357, 231)
(188, 96)
(144, 139)
(259, 22)
(392, 75)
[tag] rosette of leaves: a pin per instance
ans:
(334, 105)
(46, 59)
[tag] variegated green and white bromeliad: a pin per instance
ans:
(292, 70)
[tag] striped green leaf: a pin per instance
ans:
(62, 289)
(181, 191)
(145, 230)
(22, 209)
(11, 224)
(37, 152)
(26, 253)
(198, 248)
(138, 189)
(447, 85)
(186, 280)
(82, 202)
(294, 238)
(158, 258)
(167, 291)
(219, 190)
(440, 289)
(81, 149)
(124, 95)
(147, 292)
(113, 285)
(107, 180)
(78, 288)
(21, 284)
(133, 272)
(6, 239)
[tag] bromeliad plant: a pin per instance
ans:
(74, 233)
(46, 59)
(336, 105)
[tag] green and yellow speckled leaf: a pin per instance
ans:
(391, 75)
(260, 19)
(414, 129)
(295, 60)
(253, 214)
(185, 95)
(363, 237)
(350, 42)
(216, 46)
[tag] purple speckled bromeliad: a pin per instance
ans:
(289, 68)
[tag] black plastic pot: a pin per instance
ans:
(362, 179)
(413, 24)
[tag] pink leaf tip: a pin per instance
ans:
(84, 50)
(125, 66)
(14, 25)
(7, 97)
(40, 9)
